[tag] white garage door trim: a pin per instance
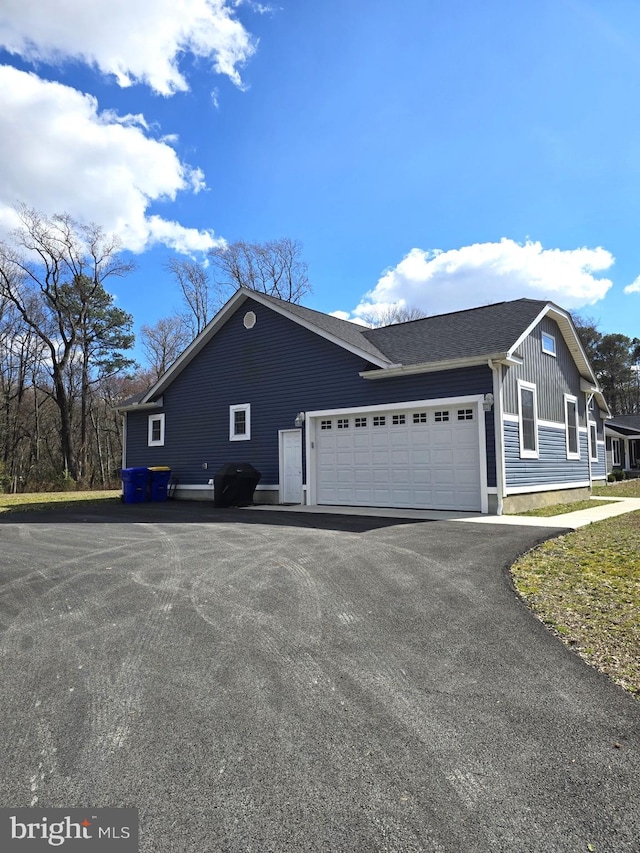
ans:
(312, 420)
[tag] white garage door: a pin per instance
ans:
(419, 457)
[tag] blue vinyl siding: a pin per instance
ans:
(552, 466)
(280, 368)
(553, 376)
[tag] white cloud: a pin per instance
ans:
(59, 153)
(135, 40)
(634, 287)
(438, 281)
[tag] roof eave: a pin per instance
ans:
(434, 366)
(139, 407)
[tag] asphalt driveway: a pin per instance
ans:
(272, 682)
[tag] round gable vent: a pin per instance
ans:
(249, 320)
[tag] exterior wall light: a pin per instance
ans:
(487, 403)
(299, 419)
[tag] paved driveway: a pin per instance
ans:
(252, 682)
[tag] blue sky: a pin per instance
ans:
(443, 153)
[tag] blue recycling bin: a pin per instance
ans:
(135, 485)
(159, 482)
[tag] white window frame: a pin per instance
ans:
(593, 441)
(150, 421)
(246, 435)
(549, 350)
(528, 453)
(616, 452)
(568, 398)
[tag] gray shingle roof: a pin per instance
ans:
(461, 334)
(350, 333)
(629, 422)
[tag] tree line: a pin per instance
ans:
(65, 347)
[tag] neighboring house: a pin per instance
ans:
(487, 410)
(622, 435)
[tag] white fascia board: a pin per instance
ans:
(389, 407)
(432, 366)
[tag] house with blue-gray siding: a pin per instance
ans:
(487, 410)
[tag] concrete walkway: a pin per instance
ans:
(567, 521)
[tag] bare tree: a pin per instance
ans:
(275, 268)
(196, 291)
(397, 313)
(39, 273)
(163, 343)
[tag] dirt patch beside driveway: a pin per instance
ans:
(273, 682)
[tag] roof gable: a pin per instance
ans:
(459, 334)
(458, 339)
(341, 332)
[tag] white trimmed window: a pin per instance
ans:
(593, 441)
(528, 420)
(240, 422)
(571, 426)
(548, 344)
(155, 435)
(615, 452)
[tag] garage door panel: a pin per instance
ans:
(442, 456)
(390, 459)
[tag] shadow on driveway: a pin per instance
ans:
(195, 512)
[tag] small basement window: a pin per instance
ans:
(548, 344)
(156, 430)
(240, 422)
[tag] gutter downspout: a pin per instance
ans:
(498, 409)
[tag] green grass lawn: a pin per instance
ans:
(53, 500)
(586, 587)
(559, 509)
(623, 489)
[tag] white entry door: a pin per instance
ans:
(291, 466)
